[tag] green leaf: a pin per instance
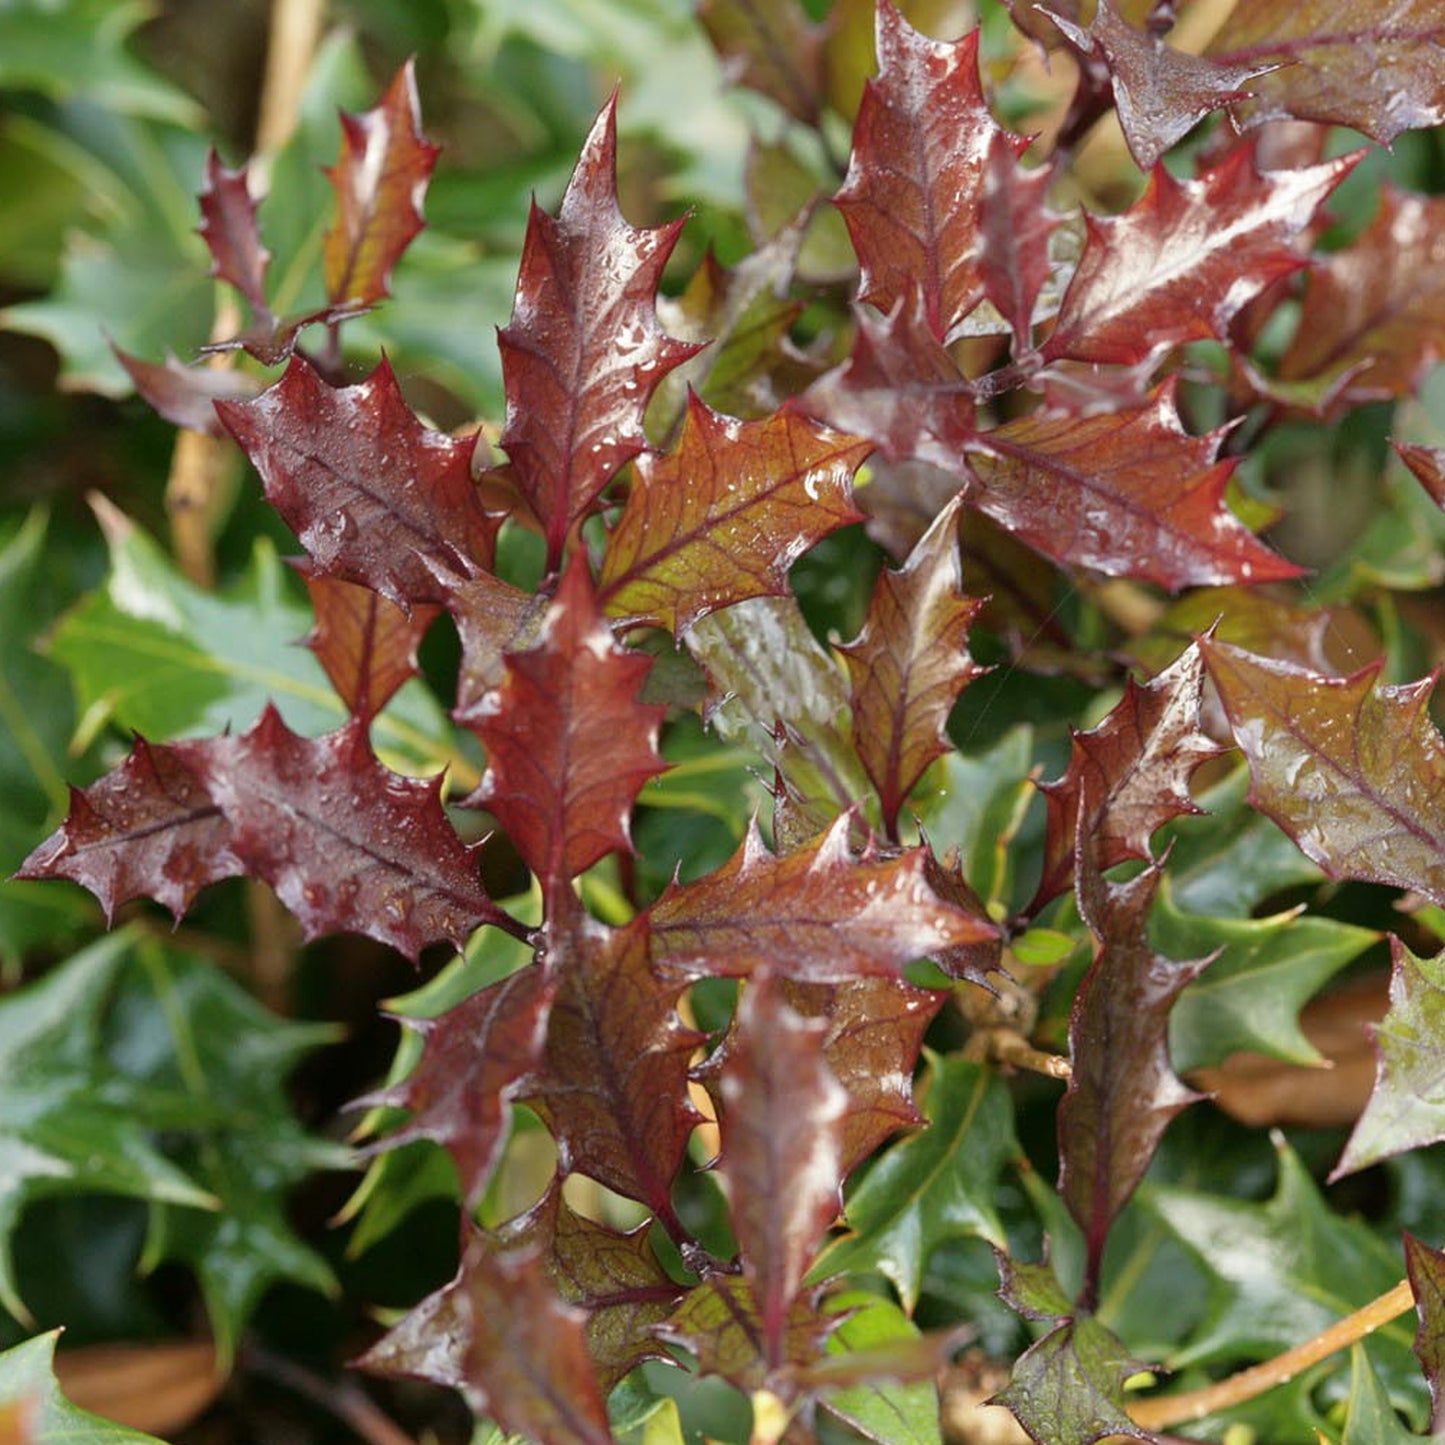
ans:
(935, 1186)
(1370, 1418)
(33, 1408)
(1249, 998)
(894, 1413)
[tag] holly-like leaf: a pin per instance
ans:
(1128, 492)
(374, 496)
(920, 174)
(228, 227)
(772, 49)
(33, 1407)
(782, 1120)
(1353, 770)
(1370, 322)
(938, 1185)
(1186, 257)
(348, 845)
(818, 915)
(475, 1059)
(493, 618)
(147, 829)
(583, 350)
(612, 1084)
(1370, 1417)
(1013, 243)
(1426, 1268)
(568, 744)
(1134, 768)
(380, 178)
(909, 663)
(723, 516)
(185, 395)
(615, 1277)
(1122, 1091)
(500, 1334)
(1334, 58)
(366, 643)
(1406, 1108)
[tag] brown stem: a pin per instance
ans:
(343, 1400)
(1160, 1413)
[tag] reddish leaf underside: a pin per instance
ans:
(1352, 770)
(348, 845)
(1426, 1267)
(228, 227)
(379, 178)
(148, 829)
(817, 915)
(568, 744)
(374, 496)
(583, 350)
(185, 395)
(1428, 466)
(493, 618)
(723, 516)
(771, 48)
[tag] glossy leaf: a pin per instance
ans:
(186, 395)
(1353, 770)
(1370, 1417)
(819, 915)
(375, 497)
(493, 618)
(33, 1407)
(583, 350)
(772, 49)
(919, 178)
(1128, 493)
(909, 663)
(782, 1118)
(500, 1334)
(348, 845)
(1186, 257)
(936, 1186)
(379, 178)
(1133, 768)
(723, 516)
(228, 227)
(1333, 56)
(568, 744)
(1406, 1109)
(612, 1084)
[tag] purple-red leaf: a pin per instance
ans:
(1133, 768)
(1014, 227)
(374, 496)
(366, 644)
(348, 845)
(819, 915)
(1426, 1268)
(909, 663)
(1186, 257)
(184, 395)
(1428, 466)
(771, 48)
(493, 618)
(568, 744)
(148, 829)
(1353, 770)
(921, 172)
(782, 1121)
(1122, 1091)
(475, 1057)
(612, 1086)
(723, 516)
(228, 227)
(500, 1334)
(380, 178)
(583, 350)
(1129, 493)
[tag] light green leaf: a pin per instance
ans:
(1370, 1419)
(33, 1408)
(893, 1413)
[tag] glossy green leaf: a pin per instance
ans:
(32, 1407)
(1370, 1418)
(891, 1413)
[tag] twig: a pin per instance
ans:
(345, 1401)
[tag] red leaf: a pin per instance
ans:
(374, 496)
(568, 744)
(782, 1122)
(148, 829)
(348, 845)
(1371, 320)
(772, 48)
(1428, 466)
(184, 395)
(228, 227)
(818, 915)
(1353, 771)
(583, 350)
(380, 178)
(1133, 769)
(475, 1058)
(1129, 493)
(612, 1086)
(1014, 227)
(1122, 1092)
(1186, 257)
(723, 516)
(366, 644)
(493, 618)
(923, 158)
(500, 1335)
(1426, 1267)
(1377, 66)
(909, 663)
